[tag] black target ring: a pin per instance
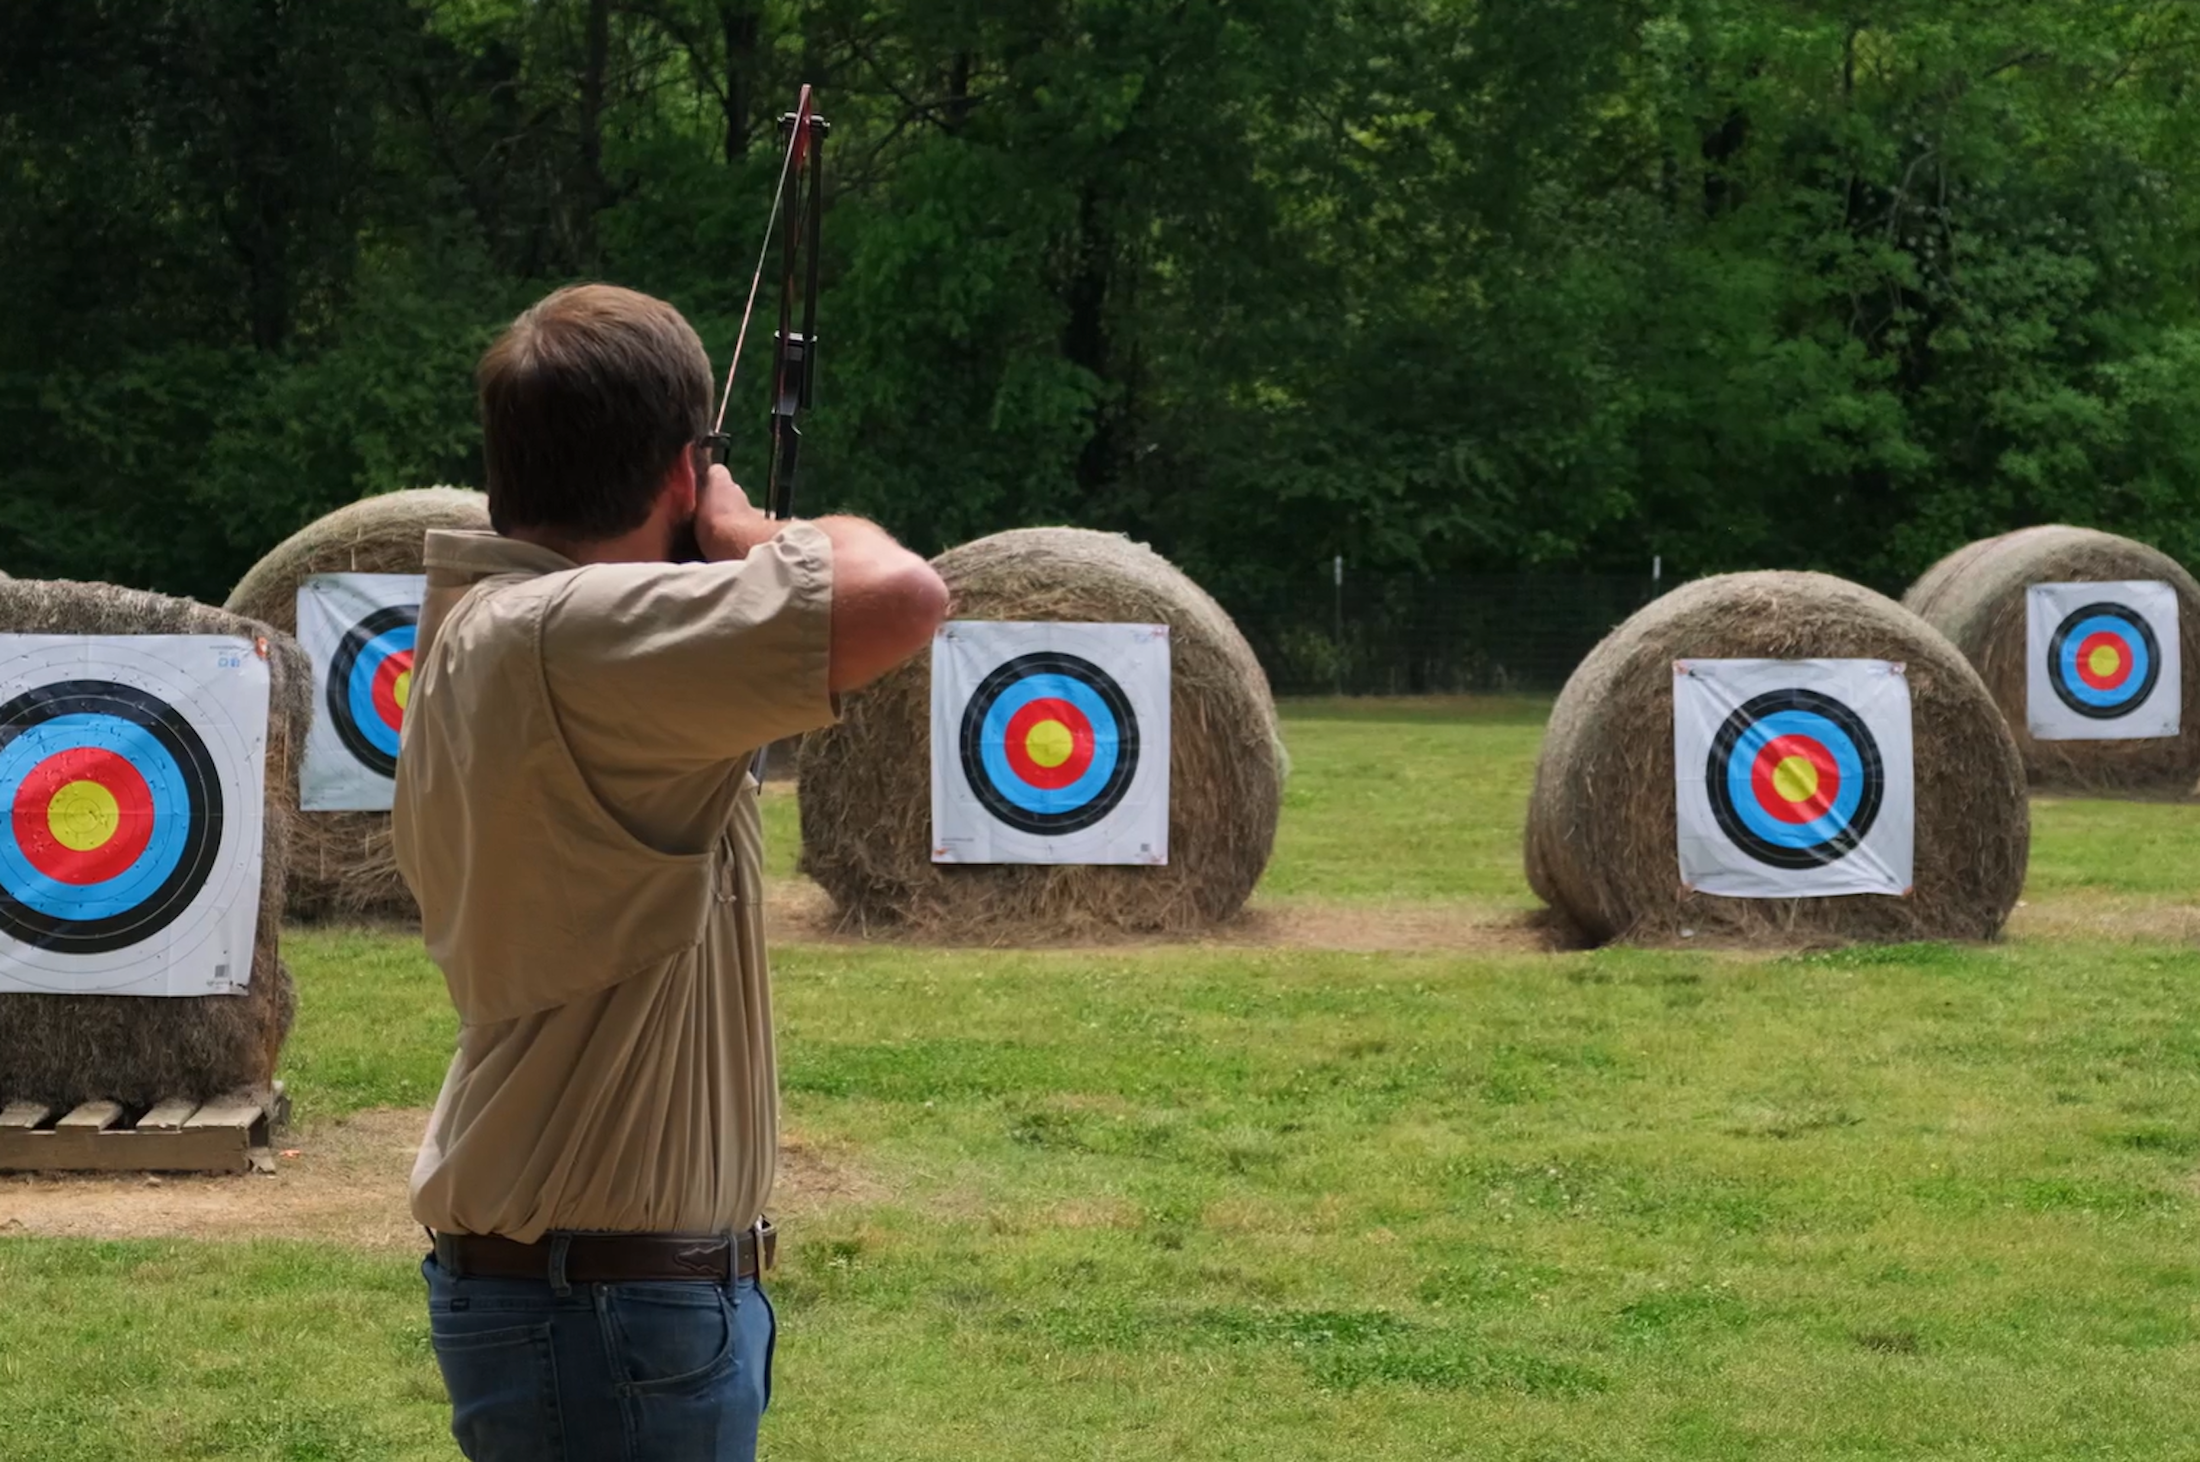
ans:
(1798, 712)
(2126, 621)
(1014, 677)
(202, 813)
(338, 691)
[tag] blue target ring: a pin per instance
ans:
(84, 902)
(1106, 737)
(51, 723)
(1805, 720)
(2119, 628)
(357, 697)
(1751, 744)
(1107, 733)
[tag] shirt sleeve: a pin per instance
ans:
(687, 665)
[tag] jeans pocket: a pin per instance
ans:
(771, 1346)
(503, 1384)
(673, 1339)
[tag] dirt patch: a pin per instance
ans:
(797, 911)
(2119, 919)
(1387, 928)
(343, 1181)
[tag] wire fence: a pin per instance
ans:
(1409, 635)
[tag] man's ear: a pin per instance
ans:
(680, 486)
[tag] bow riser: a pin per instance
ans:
(794, 373)
(798, 202)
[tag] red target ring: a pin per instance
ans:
(1795, 778)
(388, 704)
(2104, 647)
(1049, 743)
(83, 816)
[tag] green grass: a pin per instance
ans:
(1210, 1203)
(375, 1025)
(174, 1350)
(1388, 801)
(2148, 849)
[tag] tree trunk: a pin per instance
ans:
(1085, 335)
(595, 64)
(259, 224)
(957, 110)
(741, 26)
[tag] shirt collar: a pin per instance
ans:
(467, 555)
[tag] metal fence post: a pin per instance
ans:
(1337, 620)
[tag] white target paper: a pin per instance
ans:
(358, 629)
(1050, 743)
(2104, 661)
(132, 779)
(1795, 777)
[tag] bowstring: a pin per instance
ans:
(756, 280)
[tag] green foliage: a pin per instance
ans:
(1440, 287)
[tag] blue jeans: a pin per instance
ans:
(673, 1372)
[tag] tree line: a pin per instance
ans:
(1442, 286)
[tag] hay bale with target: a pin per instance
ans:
(2085, 640)
(349, 586)
(1090, 749)
(1777, 758)
(146, 748)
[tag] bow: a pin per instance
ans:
(800, 200)
(794, 354)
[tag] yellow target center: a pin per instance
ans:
(1050, 743)
(1795, 778)
(2104, 660)
(83, 816)
(401, 692)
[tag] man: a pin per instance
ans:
(575, 815)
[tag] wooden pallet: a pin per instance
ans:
(230, 1134)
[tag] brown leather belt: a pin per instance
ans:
(612, 1258)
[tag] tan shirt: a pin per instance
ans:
(575, 815)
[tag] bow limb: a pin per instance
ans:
(794, 365)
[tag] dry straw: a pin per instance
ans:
(1601, 846)
(865, 784)
(342, 865)
(66, 1049)
(1976, 597)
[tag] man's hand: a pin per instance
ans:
(727, 525)
(886, 602)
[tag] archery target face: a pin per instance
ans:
(1794, 777)
(132, 779)
(1050, 743)
(2105, 661)
(358, 629)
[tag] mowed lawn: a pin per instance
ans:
(1214, 1202)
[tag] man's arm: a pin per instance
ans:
(886, 600)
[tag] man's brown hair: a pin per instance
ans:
(586, 401)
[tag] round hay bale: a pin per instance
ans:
(1602, 849)
(66, 1049)
(342, 864)
(1976, 597)
(865, 784)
